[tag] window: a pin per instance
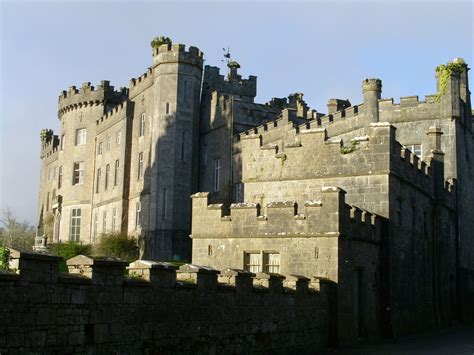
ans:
(163, 206)
(104, 222)
(114, 218)
(50, 173)
(97, 182)
(47, 201)
(140, 165)
(138, 210)
(75, 232)
(252, 262)
(116, 172)
(415, 149)
(238, 195)
(107, 175)
(78, 175)
(109, 143)
(271, 263)
(142, 125)
(81, 136)
(217, 171)
(118, 137)
(60, 177)
(96, 224)
(167, 111)
(63, 137)
(100, 148)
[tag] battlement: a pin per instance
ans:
(49, 144)
(88, 95)
(173, 53)
(142, 82)
(144, 309)
(328, 216)
(233, 85)
(114, 115)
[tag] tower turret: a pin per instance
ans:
(174, 129)
(372, 90)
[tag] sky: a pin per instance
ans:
(322, 49)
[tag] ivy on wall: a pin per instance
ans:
(158, 41)
(444, 72)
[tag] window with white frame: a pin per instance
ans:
(100, 149)
(81, 136)
(114, 219)
(138, 211)
(142, 124)
(271, 262)
(109, 143)
(140, 165)
(97, 181)
(253, 261)
(75, 231)
(104, 222)
(107, 176)
(118, 137)
(116, 172)
(78, 173)
(238, 193)
(96, 224)
(415, 149)
(217, 174)
(63, 141)
(60, 177)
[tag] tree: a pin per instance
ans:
(16, 234)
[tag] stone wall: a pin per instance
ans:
(94, 309)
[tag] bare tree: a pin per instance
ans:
(15, 234)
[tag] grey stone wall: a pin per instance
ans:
(93, 309)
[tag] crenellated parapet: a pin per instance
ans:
(141, 83)
(116, 114)
(328, 216)
(231, 85)
(109, 305)
(174, 53)
(89, 95)
(49, 143)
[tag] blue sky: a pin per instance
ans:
(323, 49)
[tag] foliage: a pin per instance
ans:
(444, 72)
(4, 258)
(69, 250)
(349, 149)
(48, 225)
(15, 234)
(117, 245)
(158, 41)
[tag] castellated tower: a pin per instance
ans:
(68, 162)
(165, 139)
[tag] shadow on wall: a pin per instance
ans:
(162, 216)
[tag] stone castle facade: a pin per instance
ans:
(375, 197)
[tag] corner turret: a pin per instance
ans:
(372, 90)
(87, 95)
(232, 85)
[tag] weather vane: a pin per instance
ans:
(226, 55)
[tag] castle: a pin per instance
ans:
(375, 197)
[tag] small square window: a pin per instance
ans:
(81, 136)
(253, 262)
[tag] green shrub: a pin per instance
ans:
(4, 258)
(69, 250)
(117, 245)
